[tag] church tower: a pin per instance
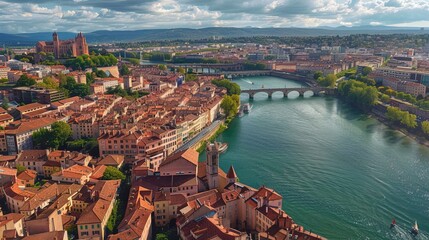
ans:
(56, 43)
(231, 176)
(212, 165)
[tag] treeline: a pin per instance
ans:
(231, 87)
(118, 90)
(396, 115)
(419, 101)
(231, 101)
(325, 81)
(358, 93)
(254, 66)
(90, 61)
(194, 60)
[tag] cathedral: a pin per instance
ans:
(64, 48)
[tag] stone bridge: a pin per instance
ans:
(315, 90)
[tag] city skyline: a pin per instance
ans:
(90, 15)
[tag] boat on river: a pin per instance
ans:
(415, 229)
(393, 224)
(247, 107)
(223, 148)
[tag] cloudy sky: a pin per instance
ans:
(91, 15)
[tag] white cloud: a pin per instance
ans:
(91, 15)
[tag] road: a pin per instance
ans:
(201, 135)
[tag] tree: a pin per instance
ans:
(112, 173)
(25, 81)
(20, 168)
(394, 114)
(366, 71)
(190, 77)
(49, 83)
(161, 236)
(358, 93)
(181, 70)
(317, 75)
(5, 103)
(231, 87)
(425, 127)
(61, 131)
(328, 81)
(52, 138)
(385, 98)
(229, 106)
(124, 70)
(162, 67)
(72, 88)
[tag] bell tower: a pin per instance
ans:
(212, 165)
(56, 42)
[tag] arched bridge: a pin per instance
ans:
(315, 90)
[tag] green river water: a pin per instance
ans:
(342, 174)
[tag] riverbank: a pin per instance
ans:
(416, 137)
(222, 127)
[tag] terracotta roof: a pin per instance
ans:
(157, 182)
(267, 193)
(32, 155)
(12, 216)
(208, 228)
(27, 175)
(47, 235)
(111, 160)
(30, 106)
(17, 193)
(96, 212)
(132, 225)
(231, 173)
(44, 194)
(98, 172)
(7, 171)
(189, 154)
(31, 125)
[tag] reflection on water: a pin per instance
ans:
(342, 174)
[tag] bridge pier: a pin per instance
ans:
(251, 96)
(270, 95)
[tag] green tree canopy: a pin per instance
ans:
(52, 138)
(394, 114)
(229, 106)
(112, 173)
(25, 81)
(317, 75)
(124, 70)
(328, 81)
(49, 83)
(231, 87)
(358, 93)
(425, 127)
(366, 71)
(162, 67)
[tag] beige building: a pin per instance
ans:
(92, 222)
(167, 207)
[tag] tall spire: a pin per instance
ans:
(231, 173)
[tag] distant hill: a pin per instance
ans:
(194, 34)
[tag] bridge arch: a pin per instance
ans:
(277, 92)
(309, 93)
(261, 92)
(293, 94)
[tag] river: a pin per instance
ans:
(342, 174)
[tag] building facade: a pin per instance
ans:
(63, 49)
